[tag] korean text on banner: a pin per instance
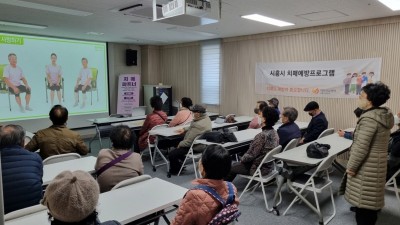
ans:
(327, 79)
(128, 93)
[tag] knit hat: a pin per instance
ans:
(311, 106)
(198, 108)
(72, 196)
(274, 102)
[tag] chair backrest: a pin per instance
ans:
(326, 132)
(131, 181)
(292, 144)
(27, 139)
(2, 66)
(325, 164)
(194, 141)
(61, 158)
(270, 156)
(94, 77)
(24, 212)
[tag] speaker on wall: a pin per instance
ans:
(131, 57)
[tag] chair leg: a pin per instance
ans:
(183, 164)
(194, 167)
(247, 186)
(91, 101)
(265, 197)
(396, 190)
(9, 101)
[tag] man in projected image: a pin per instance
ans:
(13, 76)
(83, 82)
(54, 74)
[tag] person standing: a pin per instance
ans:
(13, 76)
(364, 186)
(54, 77)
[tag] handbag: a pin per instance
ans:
(112, 163)
(317, 150)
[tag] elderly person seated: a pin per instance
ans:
(289, 129)
(71, 198)
(199, 207)
(184, 115)
(263, 142)
(317, 125)
(58, 138)
(22, 171)
(119, 163)
(255, 123)
(201, 123)
(157, 117)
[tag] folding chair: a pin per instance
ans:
(292, 144)
(156, 149)
(61, 158)
(257, 176)
(193, 156)
(47, 87)
(391, 185)
(131, 181)
(326, 132)
(316, 185)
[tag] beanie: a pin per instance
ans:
(72, 196)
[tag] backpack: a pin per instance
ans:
(229, 212)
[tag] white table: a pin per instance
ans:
(50, 171)
(299, 156)
(171, 131)
(101, 122)
(125, 204)
(240, 120)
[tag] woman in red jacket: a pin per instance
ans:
(157, 117)
(214, 165)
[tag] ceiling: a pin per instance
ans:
(121, 28)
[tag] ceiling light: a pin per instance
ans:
(392, 4)
(25, 25)
(44, 7)
(264, 19)
(94, 33)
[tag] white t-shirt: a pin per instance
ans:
(14, 75)
(85, 74)
(54, 71)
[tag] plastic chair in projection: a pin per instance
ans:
(3, 85)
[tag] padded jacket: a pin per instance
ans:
(197, 126)
(153, 119)
(368, 159)
(22, 178)
(287, 132)
(56, 140)
(198, 207)
(316, 126)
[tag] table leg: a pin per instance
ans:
(94, 138)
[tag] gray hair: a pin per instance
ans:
(11, 135)
(291, 113)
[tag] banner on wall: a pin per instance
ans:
(128, 93)
(328, 79)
